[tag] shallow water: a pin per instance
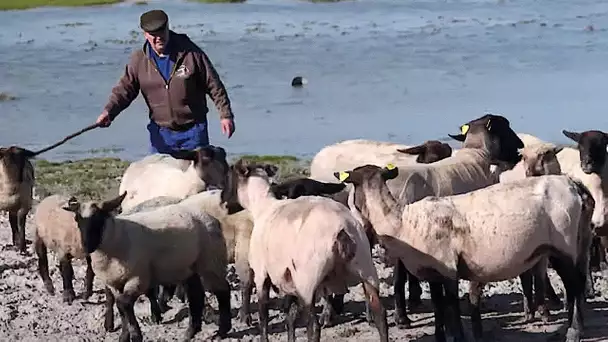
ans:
(385, 69)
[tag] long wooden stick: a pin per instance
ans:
(64, 140)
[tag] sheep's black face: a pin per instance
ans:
(14, 159)
(504, 142)
(229, 195)
(592, 149)
(429, 152)
(91, 220)
(366, 178)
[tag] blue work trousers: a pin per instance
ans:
(165, 140)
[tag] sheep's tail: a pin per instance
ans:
(584, 226)
(344, 247)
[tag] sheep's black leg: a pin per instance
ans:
(415, 291)
(291, 303)
(180, 293)
(165, 294)
(196, 302)
(43, 266)
(12, 219)
(453, 305)
(379, 313)
(155, 310)
(263, 309)
(108, 323)
(21, 216)
(573, 278)
(527, 285)
(399, 274)
(552, 297)
(475, 290)
(223, 300)
(126, 303)
(337, 303)
(439, 308)
(88, 280)
(125, 335)
(539, 273)
(244, 315)
(327, 313)
(67, 274)
(313, 330)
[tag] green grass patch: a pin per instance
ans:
(99, 177)
(25, 4)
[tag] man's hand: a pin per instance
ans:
(104, 119)
(227, 127)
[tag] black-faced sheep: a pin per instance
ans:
(181, 175)
(132, 254)
(443, 239)
(303, 246)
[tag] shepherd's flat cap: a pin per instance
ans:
(153, 20)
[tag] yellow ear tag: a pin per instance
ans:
(464, 129)
(343, 176)
(390, 166)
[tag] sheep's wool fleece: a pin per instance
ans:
(292, 243)
(57, 227)
(164, 242)
(494, 231)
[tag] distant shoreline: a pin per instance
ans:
(28, 4)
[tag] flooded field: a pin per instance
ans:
(387, 70)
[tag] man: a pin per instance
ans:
(174, 75)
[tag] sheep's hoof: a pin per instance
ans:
(245, 318)
(68, 296)
(191, 332)
(402, 321)
(49, 287)
(573, 335)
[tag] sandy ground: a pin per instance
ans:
(28, 313)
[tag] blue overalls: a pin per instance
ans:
(165, 140)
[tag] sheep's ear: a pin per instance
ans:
(458, 137)
(557, 149)
(111, 205)
(71, 205)
(271, 170)
(390, 172)
(241, 168)
(343, 176)
(420, 149)
(572, 135)
(205, 155)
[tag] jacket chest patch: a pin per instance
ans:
(182, 71)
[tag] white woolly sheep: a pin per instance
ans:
(188, 173)
(487, 235)
(237, 228)
(303, 246)
(57, 230)
(165, 246)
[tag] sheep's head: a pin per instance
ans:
(541, 159)
(494, 133)
(429, 152)
(242, 174)
(592, 148)
(210, 164)
(91, 217)
(305, 187)
(13, 160)
(367, 180)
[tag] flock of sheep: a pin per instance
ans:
(504, 205)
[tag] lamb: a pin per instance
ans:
(16, 190)
(444, 239)
(57, 231)
(165, 246)
(237, 227)
(184, 174)
(303, 246)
